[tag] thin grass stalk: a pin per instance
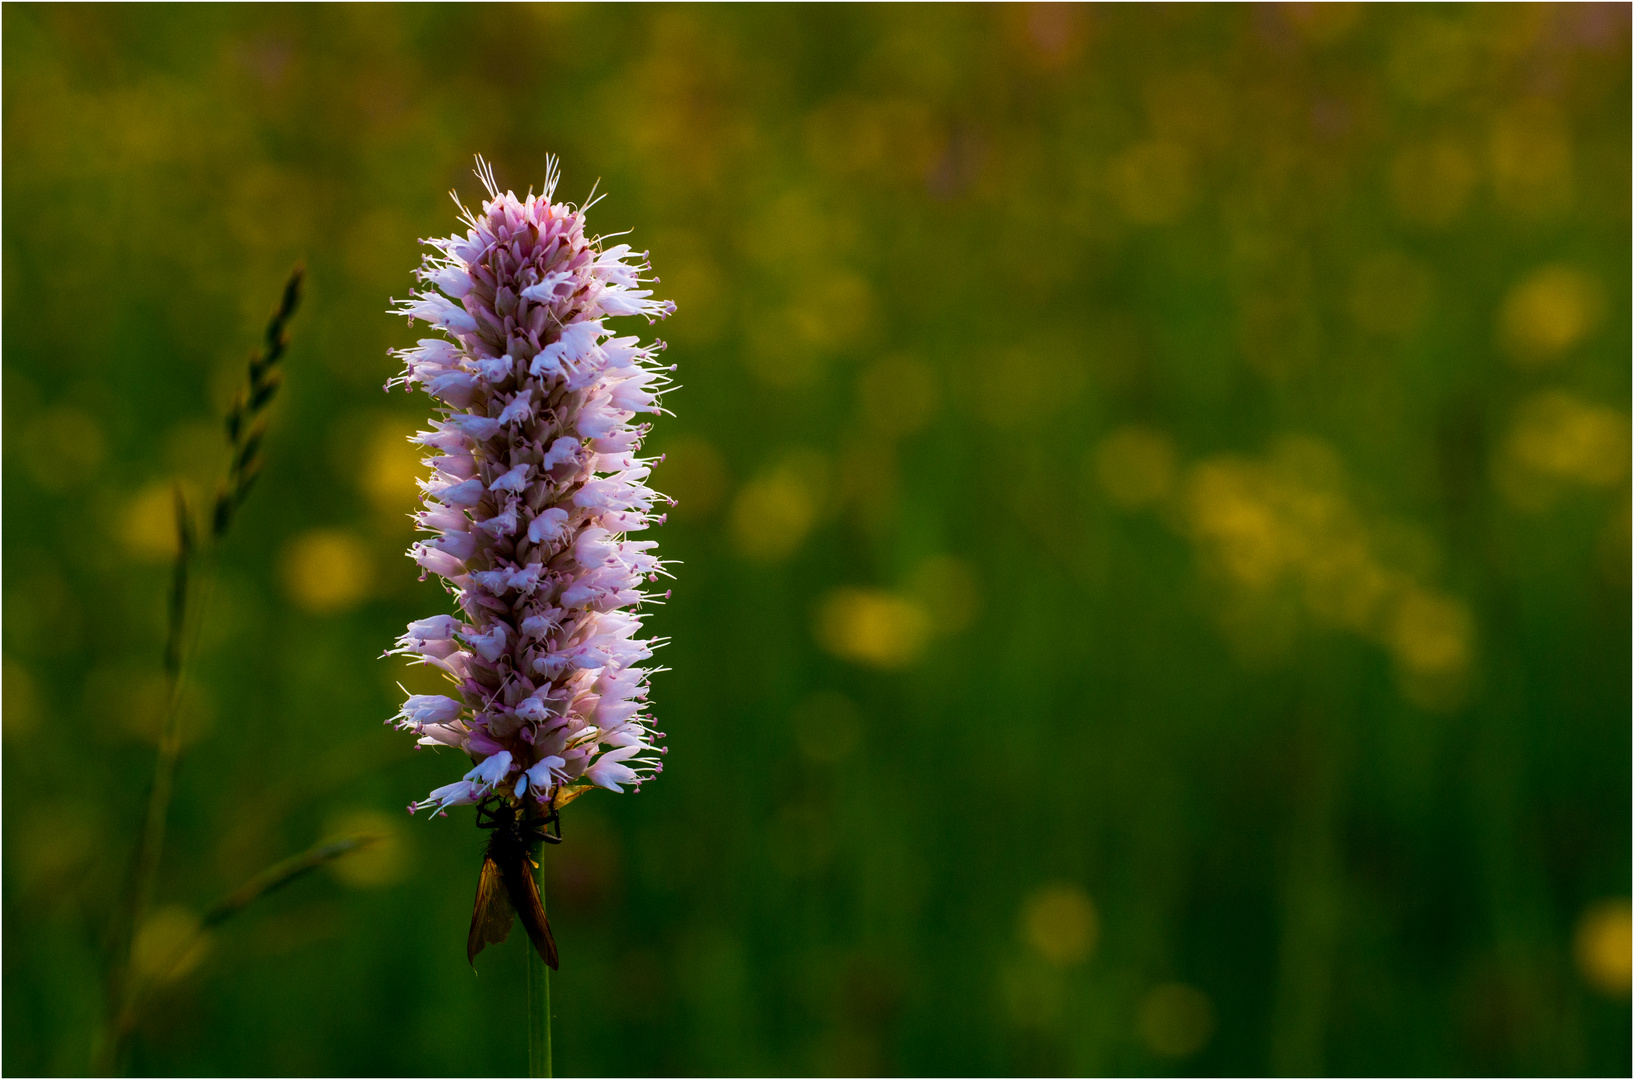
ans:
(278, 875)
(189, 597)
(267, 881)
(170, 743)
(245, 429)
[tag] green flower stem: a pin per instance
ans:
(538, 1004)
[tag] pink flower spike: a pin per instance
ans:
(529, 522)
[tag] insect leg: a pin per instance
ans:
(539, 830)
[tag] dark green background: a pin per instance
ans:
(1226, 407)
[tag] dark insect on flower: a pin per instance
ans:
(508, 887)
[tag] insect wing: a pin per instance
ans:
(524, 890)
(492, 916)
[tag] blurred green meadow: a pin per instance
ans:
(1153, 511)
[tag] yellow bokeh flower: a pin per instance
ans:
(326, 571)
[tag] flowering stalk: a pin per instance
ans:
(535, 483)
